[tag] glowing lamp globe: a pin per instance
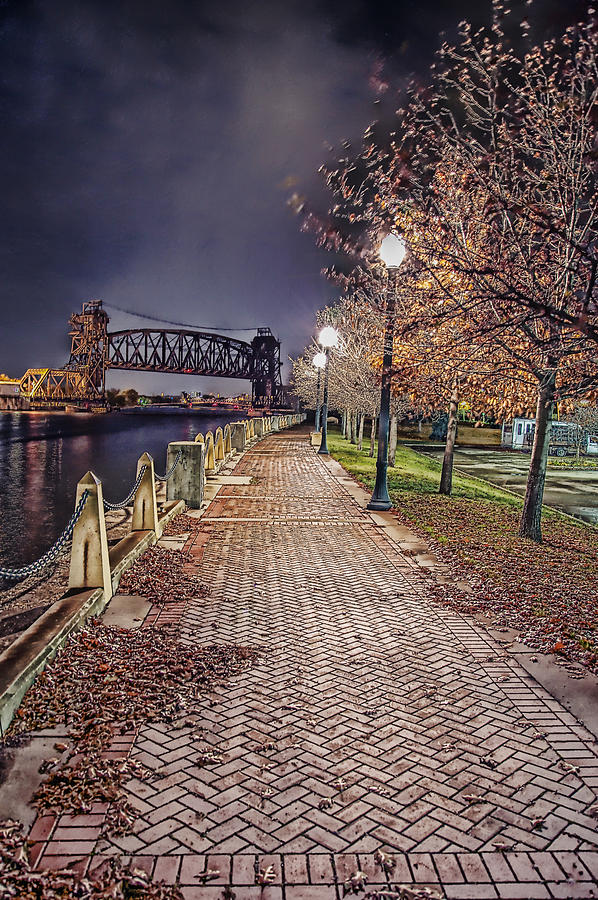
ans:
(328, 336)
(319, 360)
(392, 251)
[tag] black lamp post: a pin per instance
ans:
(392, 253)
(319, 362)
(328, 338)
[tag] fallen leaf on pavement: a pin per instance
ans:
(266, 876)
(209, 875)
(355, 883)
(473, 799)
(384, 860)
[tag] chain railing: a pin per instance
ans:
(18, 574)
(170, 472)
(130, 496)
(52, 553)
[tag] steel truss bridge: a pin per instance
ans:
(94, 350)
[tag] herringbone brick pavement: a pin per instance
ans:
(374, 720)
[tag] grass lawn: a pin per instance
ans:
(549, 591)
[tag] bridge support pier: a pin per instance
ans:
(187, 481)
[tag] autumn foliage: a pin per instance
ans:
(489, 173)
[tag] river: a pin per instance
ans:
(44, 454)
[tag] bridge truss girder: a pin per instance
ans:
(179, 352)
(57, 385)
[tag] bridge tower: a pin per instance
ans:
(89, 344)
(265, 379)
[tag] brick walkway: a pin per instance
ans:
(373, 720)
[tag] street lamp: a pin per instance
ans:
(328, 338)
(392, 253)
(319, 362)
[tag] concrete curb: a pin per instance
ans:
(26, 657)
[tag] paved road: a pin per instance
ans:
(374, 720)
(573, 491)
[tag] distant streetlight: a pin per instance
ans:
(319, 362)
(392, 253)
(328, 338)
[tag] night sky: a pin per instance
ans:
(148, 150)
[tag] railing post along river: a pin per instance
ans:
(90, 563)
(188, 479)
(237, 436)
(145, 505)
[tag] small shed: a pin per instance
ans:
(518, 434)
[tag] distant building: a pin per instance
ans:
(565, 437)
(9, 387)
(518, 434)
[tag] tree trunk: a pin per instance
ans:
(360, 436)
(344, 423)
(530, 525)
(446, 478)
(353, 428)
(392, 442)
(373, 436)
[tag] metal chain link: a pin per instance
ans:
(130, 495)
(52, 553)
(167, 475)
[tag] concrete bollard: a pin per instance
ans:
(275, 426)
(237, 436)
(188, 479)
(219, 453)
(145, 506)
(90, 564)
(258, 425)
(227, 443)
(209, 462)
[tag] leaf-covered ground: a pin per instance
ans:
(548, 591)
(160, 576)
(19, 881)
(107, 681)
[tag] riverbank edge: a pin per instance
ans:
(27, 656)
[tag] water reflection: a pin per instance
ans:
(43, 455)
